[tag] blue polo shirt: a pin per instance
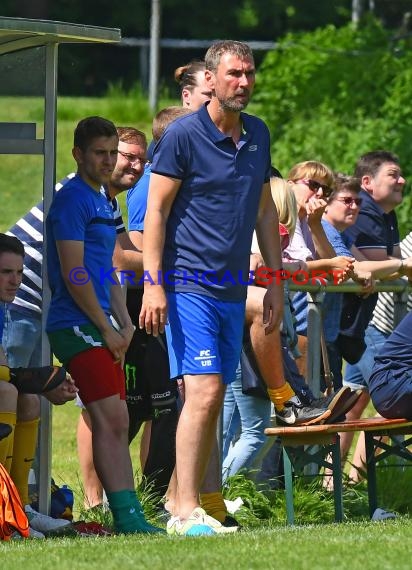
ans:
(211, 222)
(79, 213)
(373, 229)
(394, 360)
(136, 201)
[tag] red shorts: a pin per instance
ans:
(97, 375)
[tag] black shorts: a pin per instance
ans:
(149, 390)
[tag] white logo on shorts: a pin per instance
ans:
(205, 357)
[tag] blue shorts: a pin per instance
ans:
(391, 394)
(204, 335)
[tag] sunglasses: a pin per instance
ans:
(348, 201)
(314, 186)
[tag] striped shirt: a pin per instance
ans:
(383, 314)
(29, 230)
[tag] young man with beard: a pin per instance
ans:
(81, 239)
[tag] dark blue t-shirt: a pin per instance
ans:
(395, 355)
(211, 222)
(373, 229)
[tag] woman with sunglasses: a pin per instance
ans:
(312, 183)
(341, 212)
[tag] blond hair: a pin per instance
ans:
(312, 170)
(285, 202)
(165, 117)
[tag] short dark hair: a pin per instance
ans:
(344, 182)
(130, 135)
(216, 50)
(10, 244)
(370, 163)
(91, 128)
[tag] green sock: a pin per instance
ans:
(127, 513)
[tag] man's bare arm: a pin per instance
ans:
(162, 192)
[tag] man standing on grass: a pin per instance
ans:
(208, 191)
(85, 293)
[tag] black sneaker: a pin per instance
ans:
(295, 413)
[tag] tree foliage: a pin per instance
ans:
(335, 93)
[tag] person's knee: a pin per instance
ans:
(254, 309)
(206, 393)
(109, 417)
(8, 397)
(28, 407)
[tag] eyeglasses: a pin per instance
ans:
(348, 201)
(133, 158)
(314, 186)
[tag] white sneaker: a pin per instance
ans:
(43, 523)
(172, 524)
(32, 534)
(200, 523)
(35, 533)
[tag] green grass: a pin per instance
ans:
(21, 176)
(357, 546)
(266, 541)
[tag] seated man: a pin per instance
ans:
(18, 443)
(390, 384)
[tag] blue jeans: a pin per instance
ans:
(246, 417)
(22, 339)
(357, 375)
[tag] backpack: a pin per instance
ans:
(12, 515)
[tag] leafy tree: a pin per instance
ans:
(333, 94)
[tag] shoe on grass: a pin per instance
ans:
(199, 523)
(171, 525)
(32, 534)
(43, 523)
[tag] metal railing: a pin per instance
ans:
(315, 294)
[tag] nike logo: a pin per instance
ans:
(28, 460)
(132, 511)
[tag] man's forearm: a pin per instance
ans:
(153, 244)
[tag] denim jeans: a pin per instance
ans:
(357, 375)
(244, 418)
(22, 339)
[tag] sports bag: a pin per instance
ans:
(12, 515)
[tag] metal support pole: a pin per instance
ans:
(314, 323)
(50, 114)
(154, 54)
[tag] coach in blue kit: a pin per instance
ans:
(209, 189)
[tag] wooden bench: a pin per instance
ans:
(327, 441)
